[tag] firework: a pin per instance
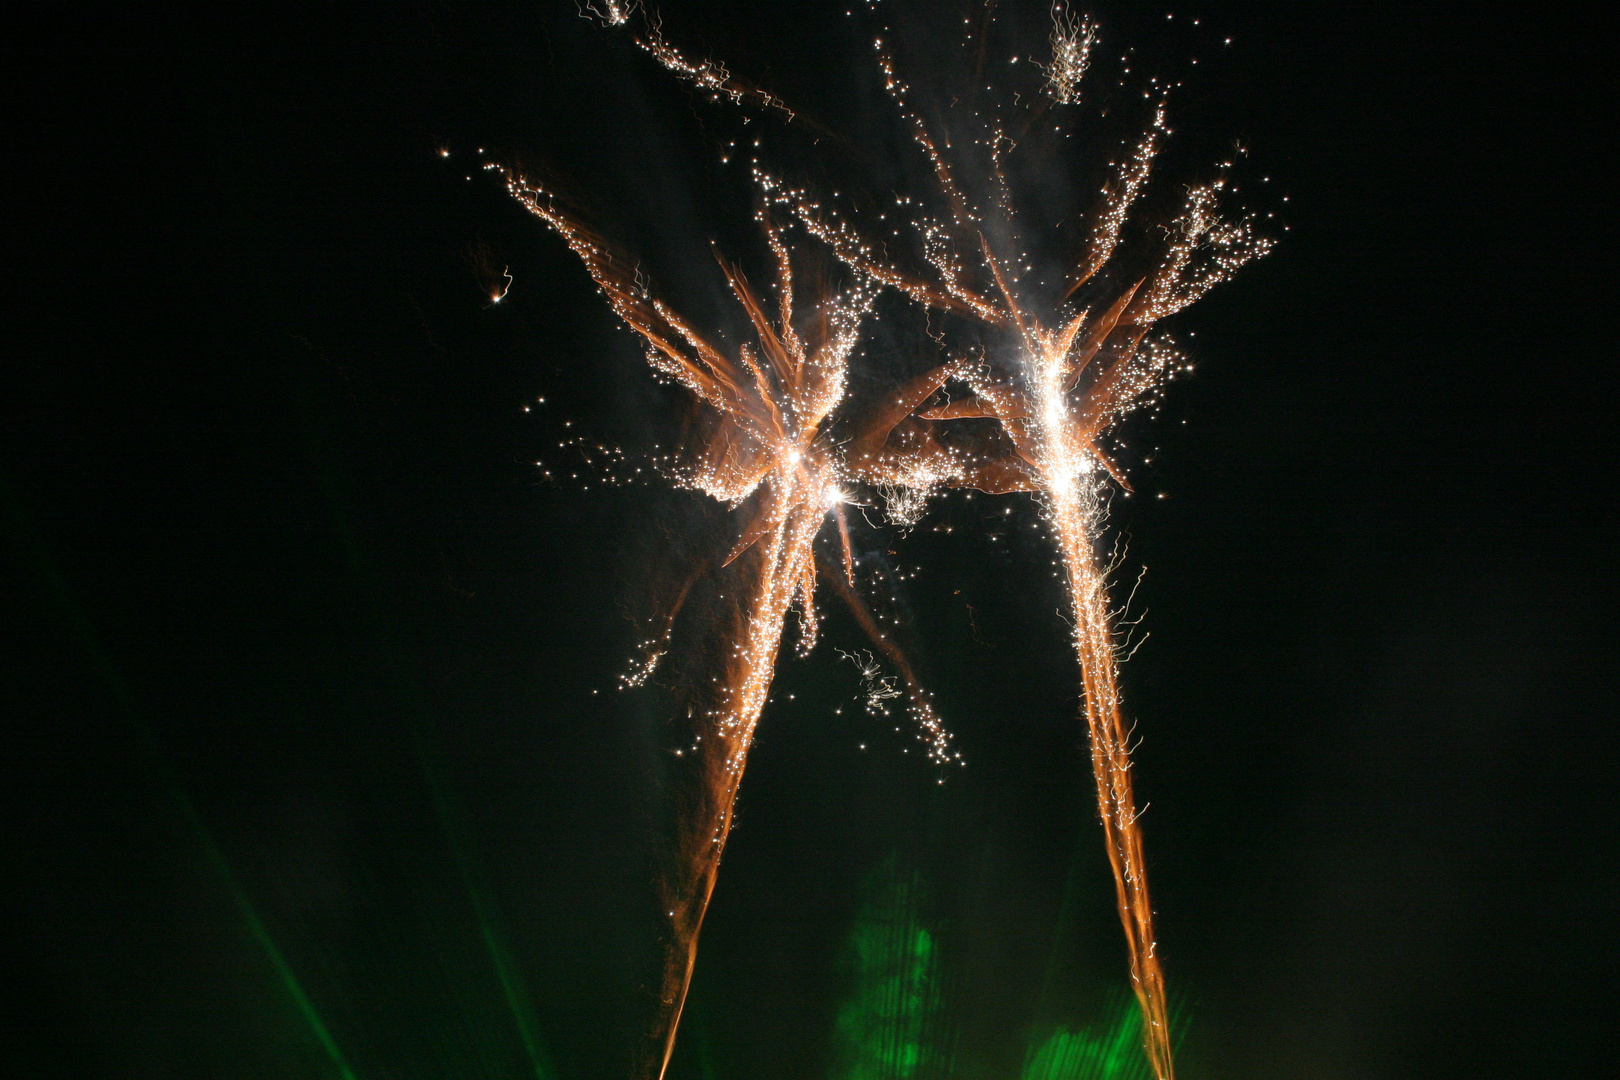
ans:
(1051, 362)
(1056, 365)
(768, 453)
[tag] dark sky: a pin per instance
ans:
(314, 752)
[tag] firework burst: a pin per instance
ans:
(1047, 356)
(1056, 362)
(767, 452)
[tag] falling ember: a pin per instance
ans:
(768, 454)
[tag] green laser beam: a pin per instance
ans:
(360, 566)
(64, 604)
(506, 969)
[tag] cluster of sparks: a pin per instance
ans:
(1072, 39)
(706, 74)
(877, 684)
(1044, 375)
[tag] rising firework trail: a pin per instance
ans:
(768, 452)
(1054, 363)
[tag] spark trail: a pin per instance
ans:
(768, 453)
(707, 75)
(1055, 386)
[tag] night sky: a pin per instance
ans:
(315, 758)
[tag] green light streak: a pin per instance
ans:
(1108, 1052)
(506, 969)
(407, 690)
(61, 599)
(706, 1056)
(256, 927)
(884, 1027)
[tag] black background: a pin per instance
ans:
(282, 560)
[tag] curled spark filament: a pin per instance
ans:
(1071, 41)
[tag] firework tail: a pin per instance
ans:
(1075, 513)
(777, 569)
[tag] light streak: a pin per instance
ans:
(66, 608)
(518, 1001)
(610, 12)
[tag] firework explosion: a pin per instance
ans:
(1048, 356)
(768, 453)
(1056, 373)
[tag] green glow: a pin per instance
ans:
(698, 1026)
(885, 1026)
(67, 609)
(256, 927)
(507, 973)
(1110, 1050)
(506, 969)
